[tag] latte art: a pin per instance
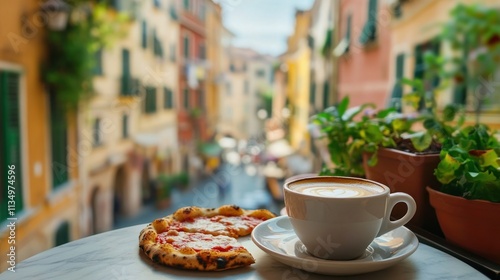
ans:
(337, 190)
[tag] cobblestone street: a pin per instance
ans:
(241, 185)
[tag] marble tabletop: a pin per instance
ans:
(116, 255)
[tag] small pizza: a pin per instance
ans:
(204, 239)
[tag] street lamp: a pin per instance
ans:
(57, 12)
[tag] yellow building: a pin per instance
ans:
(38, 137)
(215, 30)
(129, 126)
(414, 27)
(297, 59)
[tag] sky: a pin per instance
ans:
(262, 25)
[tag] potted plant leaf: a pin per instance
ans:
(468, 201)
(164, 185)
(348, 133)
(408, 164)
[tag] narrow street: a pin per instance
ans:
(240, 185)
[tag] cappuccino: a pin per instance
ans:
(324, 189)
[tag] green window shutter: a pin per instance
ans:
(126, 84)
(312, 93)
(96, 132)
(125, 131)
(326, 94)
(185, 3)
(98, 63)
(150, 100)
(168, 99)
(144, 34)
(186, 47)
(397, 90)
(348, 31)
(369, 32)
(62, 235)
(59, 141)
(186, 98)
(10, 142)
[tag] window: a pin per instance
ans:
(186, 98)
(312, 93)
(201, 11)
(96, 132)
(62, 235)
(150, 100)
(173, 53)
(228, 89)
(173, 12)
(232, 68)
(261, 73)
(397, 90)
(247, 87)
(59, 142)
(10, 142)
(144, 37)
(348, 30)
(125, 131)
(326, 94)
(186, 4)
(157, 46)
(343, 46)
(98, 63)
(156, 3)
(421, 68)
(310, 41)
(201, 99)
(202, 50)
(186, 47)
(168, 102)
(369, 32)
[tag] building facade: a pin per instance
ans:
(38, 142)
(249, 78)
(415, 28)
(130, 123)
(363, 49)
(298, 65)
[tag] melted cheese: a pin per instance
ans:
(241, 222)
(198, 241)
(204, 225)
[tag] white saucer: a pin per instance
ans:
(277, 238)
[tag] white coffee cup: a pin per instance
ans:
(338, 217)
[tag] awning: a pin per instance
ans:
(341, 48)
(211, 149)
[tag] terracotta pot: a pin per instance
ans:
(409, 173)
(470, 224)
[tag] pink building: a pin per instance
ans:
(363, 51)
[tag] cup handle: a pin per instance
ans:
(395, 198)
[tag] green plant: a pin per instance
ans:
(182, 179)
(349, 135)
(165, 184)
(469, 165)
(474, 37)
(436, 126)
(71, 52)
